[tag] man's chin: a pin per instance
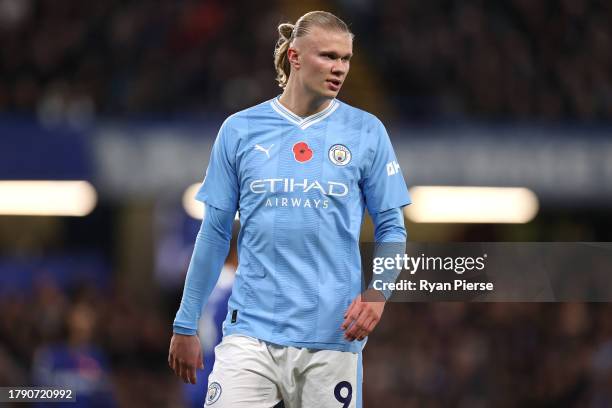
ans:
(331, 94)
(327, 93)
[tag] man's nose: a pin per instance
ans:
(339, 67)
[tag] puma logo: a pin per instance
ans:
(262, 149)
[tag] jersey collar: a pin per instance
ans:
(308, 121)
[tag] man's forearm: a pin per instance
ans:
(209, 253)
(390, 236)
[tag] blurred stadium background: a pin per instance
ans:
(128, 95)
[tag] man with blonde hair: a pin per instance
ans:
(300, 169)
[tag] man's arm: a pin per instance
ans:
(390, 236)
(211, 249)
(362, 316)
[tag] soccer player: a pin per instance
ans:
(300, 169)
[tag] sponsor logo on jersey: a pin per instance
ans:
(291, 185)
(214, 393)
(277, 186)
(301, 152)
(340, 155)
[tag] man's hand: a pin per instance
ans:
(185, 356)
(362, 316)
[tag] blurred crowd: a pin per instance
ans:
(490, 354)
(107, 348)
(508, 59)
(70, 60)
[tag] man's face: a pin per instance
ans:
(323, 59)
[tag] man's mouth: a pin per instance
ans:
(334, 84)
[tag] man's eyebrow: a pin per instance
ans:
(349, 55)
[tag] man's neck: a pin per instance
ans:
(302, 104)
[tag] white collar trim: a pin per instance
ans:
(308, 121)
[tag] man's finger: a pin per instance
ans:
(351, 333)
(366, 328)
(351, 305)
(372, 325)
(347, 321)
(200, 360)
(365, 315)
(358, 327)
(191, 372)
(350, 308)
(351, 315)
(179, 370)
(173, 365)
(184, 372)
(361, 330)
(365, 325)
(357, 314)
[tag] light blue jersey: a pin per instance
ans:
(301, 186)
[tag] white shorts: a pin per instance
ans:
(252, 373)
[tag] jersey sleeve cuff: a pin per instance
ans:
(184, 331)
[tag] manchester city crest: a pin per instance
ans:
(213, 394)
(340, 155)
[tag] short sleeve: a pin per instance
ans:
(383, 185)
(220, 187)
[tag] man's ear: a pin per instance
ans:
(292, 56)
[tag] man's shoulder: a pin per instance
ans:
(368, 124)
(366, 117)
(240, 118)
